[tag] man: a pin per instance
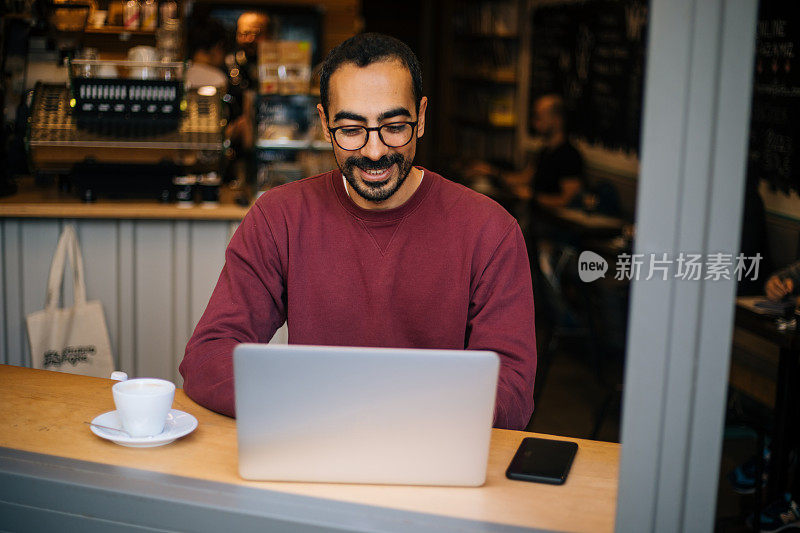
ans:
(207, 48)
(555, 177)
(558, 178)
(252, 27)
(378, 253)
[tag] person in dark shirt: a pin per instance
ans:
(552, 177)
(557, 177)
(558, 173)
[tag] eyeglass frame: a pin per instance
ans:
(250, 34)
(333, 131)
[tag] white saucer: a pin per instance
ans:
(178, 425)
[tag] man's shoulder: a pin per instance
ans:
(564, 160)
(300, 191)
(568, 150)
(469, 207)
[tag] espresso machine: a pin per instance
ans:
(124, 129)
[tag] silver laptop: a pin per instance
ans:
(364, 415)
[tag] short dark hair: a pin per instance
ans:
(365, 49)
(205, 34)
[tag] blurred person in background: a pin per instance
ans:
(207, 48)
(557, 174)
(557, 180)
(554, 176)
(252, 27)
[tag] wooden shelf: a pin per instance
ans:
(485, 124)
(114, 42)
(481, 101)
(32, 201)
(117, 30)
(499, 36)
(499, 79)
(320, 146)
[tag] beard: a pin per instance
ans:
(376, 191)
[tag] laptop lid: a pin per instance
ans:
(364, 415)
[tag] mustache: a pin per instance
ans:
(364, 163)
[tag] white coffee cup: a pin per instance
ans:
(143, 405)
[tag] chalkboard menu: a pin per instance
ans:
(592, 53)
(775, 117)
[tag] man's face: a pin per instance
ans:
(250, 28)
(545, 119)
(371, 96)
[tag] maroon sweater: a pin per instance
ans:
(447, 269)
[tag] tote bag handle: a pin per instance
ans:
(67, 246)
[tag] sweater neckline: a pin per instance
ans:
(380, 215)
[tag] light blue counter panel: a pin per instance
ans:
(16, 342)
(153, 277)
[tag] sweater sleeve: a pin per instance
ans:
(501, 319)
(247, 305)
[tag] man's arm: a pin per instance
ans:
(784, 282)
(501, 319)
(570, 187)
(518, 181)
(247, 305)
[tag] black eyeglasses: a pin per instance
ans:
(393, 135)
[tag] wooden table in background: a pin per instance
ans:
(582, 223)
(55, 473)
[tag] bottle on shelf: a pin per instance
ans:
(149, 15)
(130, 15)
(168, 40)
(169, 12)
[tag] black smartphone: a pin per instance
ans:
(542, 460)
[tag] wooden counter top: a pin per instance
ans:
(44, 412)
(31, 201)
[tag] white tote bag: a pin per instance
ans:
(70, 339)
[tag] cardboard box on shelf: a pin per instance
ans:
(268, 63)
(284, 67)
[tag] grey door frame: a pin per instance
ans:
(694, 143)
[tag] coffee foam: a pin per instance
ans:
(144, 388)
